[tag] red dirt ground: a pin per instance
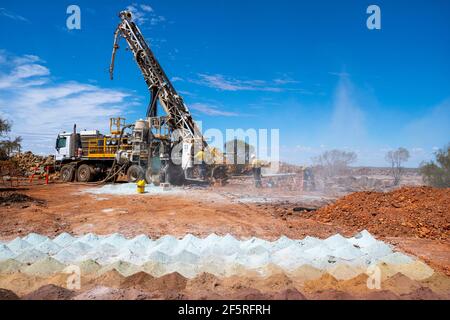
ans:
(401, 217)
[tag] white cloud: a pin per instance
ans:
(220, 82)
(176, 79)
(211, 110)
(285, 80)
(157, 19)
(146, 8)
(143, 13)
(224, 83)
(12, 15)
(26, 58)
(40, 108)
(21, 70)
(30, 70)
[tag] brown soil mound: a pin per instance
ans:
(438, 282)
(401, 284)
(173, 295)
(381, 295)
(20, 283)
(422, 294)
(8, 295)
(110, 278)
(325, 282)
(141, 280)
(289, 294)
(50, 292)
(410, 212)
(331, 295)
(357, 285)
(105, 293)
(169, 282)
(204, 281)
(276, 282)
(235, 283)
(204, 295)
(249, 294)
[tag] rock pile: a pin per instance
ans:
(408, 212)
(27, 162)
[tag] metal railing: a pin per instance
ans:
(105, 147)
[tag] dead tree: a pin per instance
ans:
(396, 158)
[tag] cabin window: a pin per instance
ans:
(61, 142)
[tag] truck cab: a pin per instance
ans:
(64, 146)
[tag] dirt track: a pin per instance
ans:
(67, 208)
(199, 212)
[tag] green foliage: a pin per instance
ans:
(437, 173)
(7, 146)
(5, 127)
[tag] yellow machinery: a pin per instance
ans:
(106, 147)
(116, 125)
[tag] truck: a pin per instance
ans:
(89, 155)
(157, 148)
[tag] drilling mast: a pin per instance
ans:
(158, 84)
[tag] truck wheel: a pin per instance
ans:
(135, 173)
(174, 175)
(85, 173)
(67, 173)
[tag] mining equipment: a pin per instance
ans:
(157, 148)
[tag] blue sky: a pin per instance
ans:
(310, 69)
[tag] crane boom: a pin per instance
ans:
(158, 83)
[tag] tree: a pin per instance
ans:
(5, 127)
(7, 146)
(335, 162)
(437, 174)
(396, 158)
(238, 151)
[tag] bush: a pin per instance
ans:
(437, 173)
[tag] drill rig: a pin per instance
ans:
(163, 147)
(157, 148)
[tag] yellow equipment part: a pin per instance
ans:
(116, 125)
(104, 148)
